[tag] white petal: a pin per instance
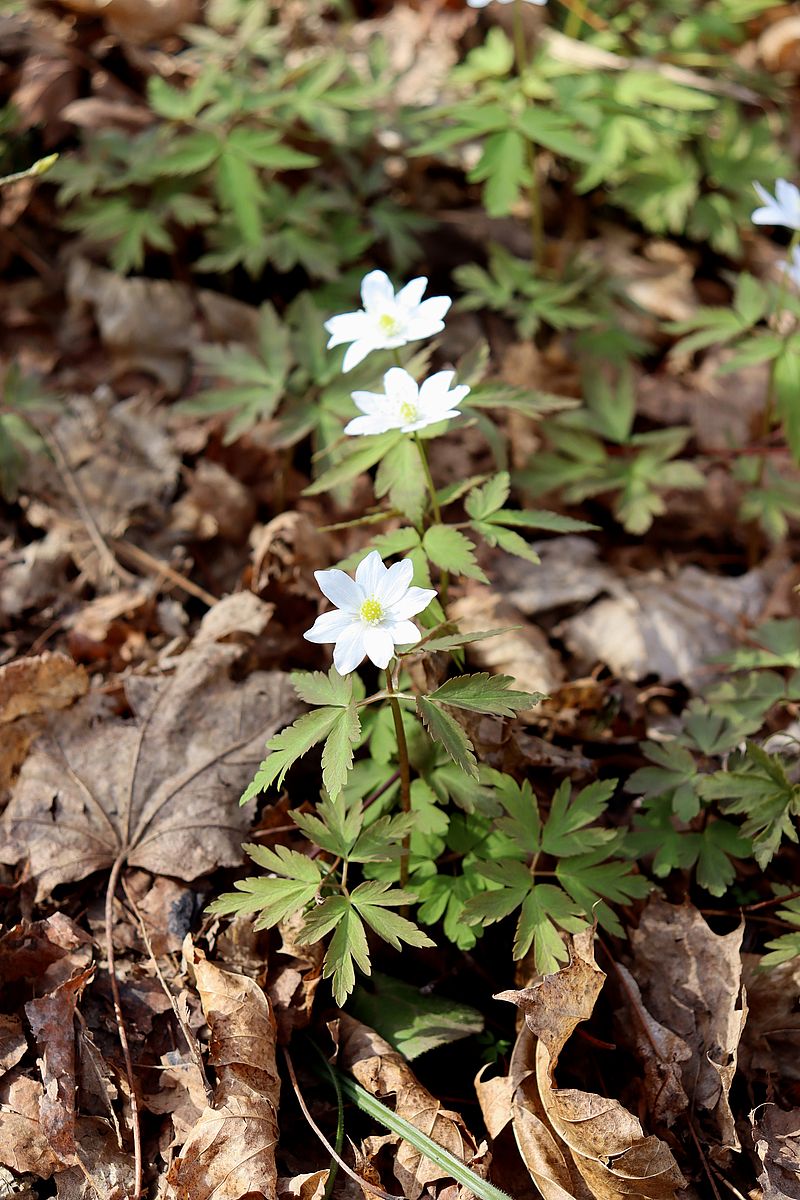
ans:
(339, 589)
(400, 386)
(357, 353)
(349, 649)
(379, 645)
(478, 3)
(376, 290)
(415, 600)
(329, 627)
(348, 327)
(410, 296)
(369, 425)
(436, 386)
(405, 633)
(786, 195)
(395, 583)
(434, 418)
(370, 572)
(763, 194)
(369, 402)
(429, 317)
(766, 216)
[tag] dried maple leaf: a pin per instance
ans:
(158, 792)
(30, 687)
(381, 1070)
(777, 1140)
(605, 1142)
(230, 1152)
(691, 981)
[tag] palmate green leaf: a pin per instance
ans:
(289, 745)
(485, 500)
(189, 154)
(348, 947)
(429, 817)
(315, 687)
(263, 148)
(778, 645)
(452, 641)
(337, 753)
(502, 166)
(544, 909)
(592, 877)
(710, 850)
(674, 776)
(485, 693)
(787, 946)
(401, 476)
(506, 539)
(374, 901)
(566, 832)
(240, 193)
(539, 518)
(274, 899)
(451, 551)
(446, 730)
(522, 822)
(363, 455)
(758, 786)
(334, 826)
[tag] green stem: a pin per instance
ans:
(534, 193)
(405, 773)
(572, 28)
(444, 578)
(768, 412)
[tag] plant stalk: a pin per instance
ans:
(768, 411)
(405, 773)
(534, 193)
(444, 578)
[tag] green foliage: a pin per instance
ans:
(410, 1020)
(21, 399)
(595, 452)
(787, 945)
(757, 784)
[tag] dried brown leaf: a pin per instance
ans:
(230, 1153)
(777, 1140)
(23, 1144)
(158, 792)
(661, 1052)
(770, 1037)
(691, 981)
(13, 1043)
(29, 687)
(383, 1072)
(606, 1143)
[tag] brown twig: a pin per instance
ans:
(136, 1132)
(143, 559)
(362, 1183)
(188, 1036)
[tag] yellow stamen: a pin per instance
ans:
(371, 611)
(389, 324)
(408, 412)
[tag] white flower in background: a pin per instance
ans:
(781, 209)
(372, 612)
(388, 319)
(791, 268)
(406, 406)
(483, 3)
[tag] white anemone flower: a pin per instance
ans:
(372, 613)
(405, 405)
(388, 320)
(791, 268)
(781, 209)
(484, 3)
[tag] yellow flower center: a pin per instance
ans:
(408, 412)
(371, 611)
(389, 324)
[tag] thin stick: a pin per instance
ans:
(405, 774)
(157, 566)
(123, 1033)
(534, 195)
(362, 1183)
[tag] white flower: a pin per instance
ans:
(483, 3)
(791, 268)
(387, 320)
(372, 612)
(781, 209)
(406, 406)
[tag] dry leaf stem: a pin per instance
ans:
(113, 879)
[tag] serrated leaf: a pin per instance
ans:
(369, 451)
(402, 476)
(540, 518)
(289, 745)
(485, 500)
(315, 687)
(674, 775)
(374, 900)
(506, 539)
(348, 947)
(758, 786)
(274, 899)
(485, 693)
(337, 753)
(190, 154)
(451, 641)
(240, 192)
(446, 730)
(263, 148)
(451, 551)
(502, 166)
(565, 831)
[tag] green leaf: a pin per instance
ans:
(759, 786)
(274, 899)
(539, 519)
(402, 476)
(411, 1020)
(240, 192)
(787, 946)
(337, 753)
(263, 148)
(502, 166)
(348, 947)
(786, 376)
(451, 551)
(565, 831)
(364, 455)
(315, 687)
(507, 540)
(485, 500)
(446, 730)
(674, 776)
(485, 693)
(190, 154)
(289, 745)
(451, 641)
(374, 901)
